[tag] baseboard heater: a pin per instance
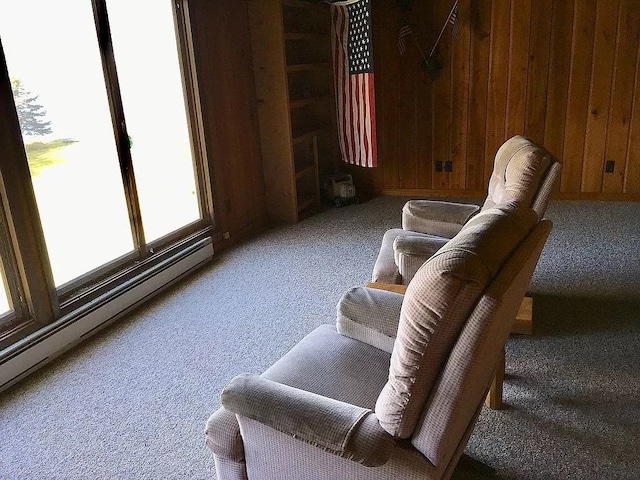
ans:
(41, 347)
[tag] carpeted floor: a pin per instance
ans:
(131, 402)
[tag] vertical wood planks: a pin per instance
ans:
(221, 37)
(406, 123)
(423, 31)
(558, 79)
(621, 94)
(599, 96)
(497, 88)
(441, 100)
(576, 119)
(562, 72)
(534, 124)
(480, 24)
(632, 175)
(386, 78)
(518, 66)
(460, 55)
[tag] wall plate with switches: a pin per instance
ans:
(610, 166)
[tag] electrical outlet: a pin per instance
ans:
(610, 166)
(448, 166)
(226, 235)
(438, 165)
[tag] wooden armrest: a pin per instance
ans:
(391, 287)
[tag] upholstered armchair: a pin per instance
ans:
(523, 172)
(394, 389)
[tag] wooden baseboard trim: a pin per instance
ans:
(421, 192)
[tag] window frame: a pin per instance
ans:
(29, 277)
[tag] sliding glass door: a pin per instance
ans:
(103, 97)
(156, 113)
(58, 86)
(83, 74)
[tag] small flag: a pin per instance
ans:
(453, 21)
(402, 34)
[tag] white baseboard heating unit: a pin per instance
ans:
(39, 348)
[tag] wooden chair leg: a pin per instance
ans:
(524, 319)
(494, 397)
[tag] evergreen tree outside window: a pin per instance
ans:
(30, 113)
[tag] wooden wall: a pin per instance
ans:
(221, 43)
(563, 72)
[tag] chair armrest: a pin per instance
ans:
(424, 246)
(410, 252)
(222, 435)
(370, 316)
(444, 219)
(343, 429)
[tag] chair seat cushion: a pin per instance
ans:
(335, 366)
(325, 363)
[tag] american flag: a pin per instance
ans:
(402, 34)
(354, 82)
(453, 21)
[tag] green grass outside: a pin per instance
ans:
(45, 154)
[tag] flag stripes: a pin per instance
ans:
(402, 34)
(354, 83)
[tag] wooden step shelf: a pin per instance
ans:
(304, 36)
(291, 54)
(301, 102)
(307, 170)
(308, 66)
(307, 135)
(305, 201)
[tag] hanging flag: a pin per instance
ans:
(453, 20)
(354, 81)
(402, 34)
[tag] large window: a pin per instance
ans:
(102, 133)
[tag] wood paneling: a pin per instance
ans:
(460, 66)
(559, 70)
(497, 78)
(622, 93)
(563, 72)
(441, 93)
(223, 56)
(597, 112)
(632, 176)
(537, 80)
(576, 119)
(480, 18)
(519, 31)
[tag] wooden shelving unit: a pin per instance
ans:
(291, 48)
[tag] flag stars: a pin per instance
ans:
(359, 38)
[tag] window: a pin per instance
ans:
(107, 176)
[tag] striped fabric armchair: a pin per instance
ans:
(523, 171)
(394, 389)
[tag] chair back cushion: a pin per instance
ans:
(449, 413)
(438, 303)
(520, 168)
